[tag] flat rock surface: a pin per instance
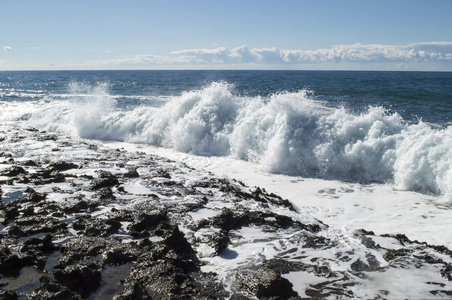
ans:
(83, 221)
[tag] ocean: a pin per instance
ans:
(366, 157)
(365, 127)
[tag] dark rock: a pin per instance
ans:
(12, 264)
(15, 231)
(14, 171)
(10, 212)
(46, 176)
(396, 253)
(220, 241)
(8, 295)
(134, 291)
(264, 284)
(441, 249)
(132, 173)
(146, 222)
(105, 179)
(32, 196)
(82, 248)
(359, 266)
(314, 241)
(41, 224)
(63, 166)
(228, 220)
(282, 266)
(446, 272)
(120, 255)
(80, 206)
(106, 193)
(159, 279)
(81, 279)
(47, 137)
(50, 289)
(28, 212)
(403, 239)
(174, 239)
(43, 244)
(96, 226)
(30, 163)
(163, 173)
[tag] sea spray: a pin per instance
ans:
(292, 133)
(424, 160)
(94, 109)
(198, 122)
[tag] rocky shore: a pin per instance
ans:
(83, 221)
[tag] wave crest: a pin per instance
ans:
(290, 133)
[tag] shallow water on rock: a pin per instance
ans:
(109, 285)
(25, 283)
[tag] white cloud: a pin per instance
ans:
(355, 53)
(7, 48)
(417, 56)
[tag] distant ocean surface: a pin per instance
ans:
(388, 127)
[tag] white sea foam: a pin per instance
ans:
(289, 133)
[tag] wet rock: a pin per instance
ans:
(120, 255)
(159, 279)
(314, 241)
(403, 239)
(446, 271)
(43, 244)
(146, 222)
(264, 284)
(106, 194)
(11, 264)
(50, 289)
(8, 295)
(132, 173)
(41, 224)
(63, 166)
(30, 163)
(282, 266)
(80, 207)
(228, 220)
(371, 265)
(396, 253)
(14, 171)
(32, 196)
(174, 239)
(105, 179)
(96, 226)
(83, 248)
(220, 241)
(163, 173)
(81, 279)
(10, 212)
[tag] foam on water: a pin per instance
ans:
(289, 133)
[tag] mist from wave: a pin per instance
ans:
(288, 132)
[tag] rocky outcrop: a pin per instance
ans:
(136, 226)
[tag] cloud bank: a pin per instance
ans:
(437, 52)
(428, 56)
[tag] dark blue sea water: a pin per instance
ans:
(414, 95)
(353, 126)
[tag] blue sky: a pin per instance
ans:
(213, 34)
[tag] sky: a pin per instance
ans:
(232, 34)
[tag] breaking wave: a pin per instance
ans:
(289, 132)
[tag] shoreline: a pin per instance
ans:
(74, 213)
